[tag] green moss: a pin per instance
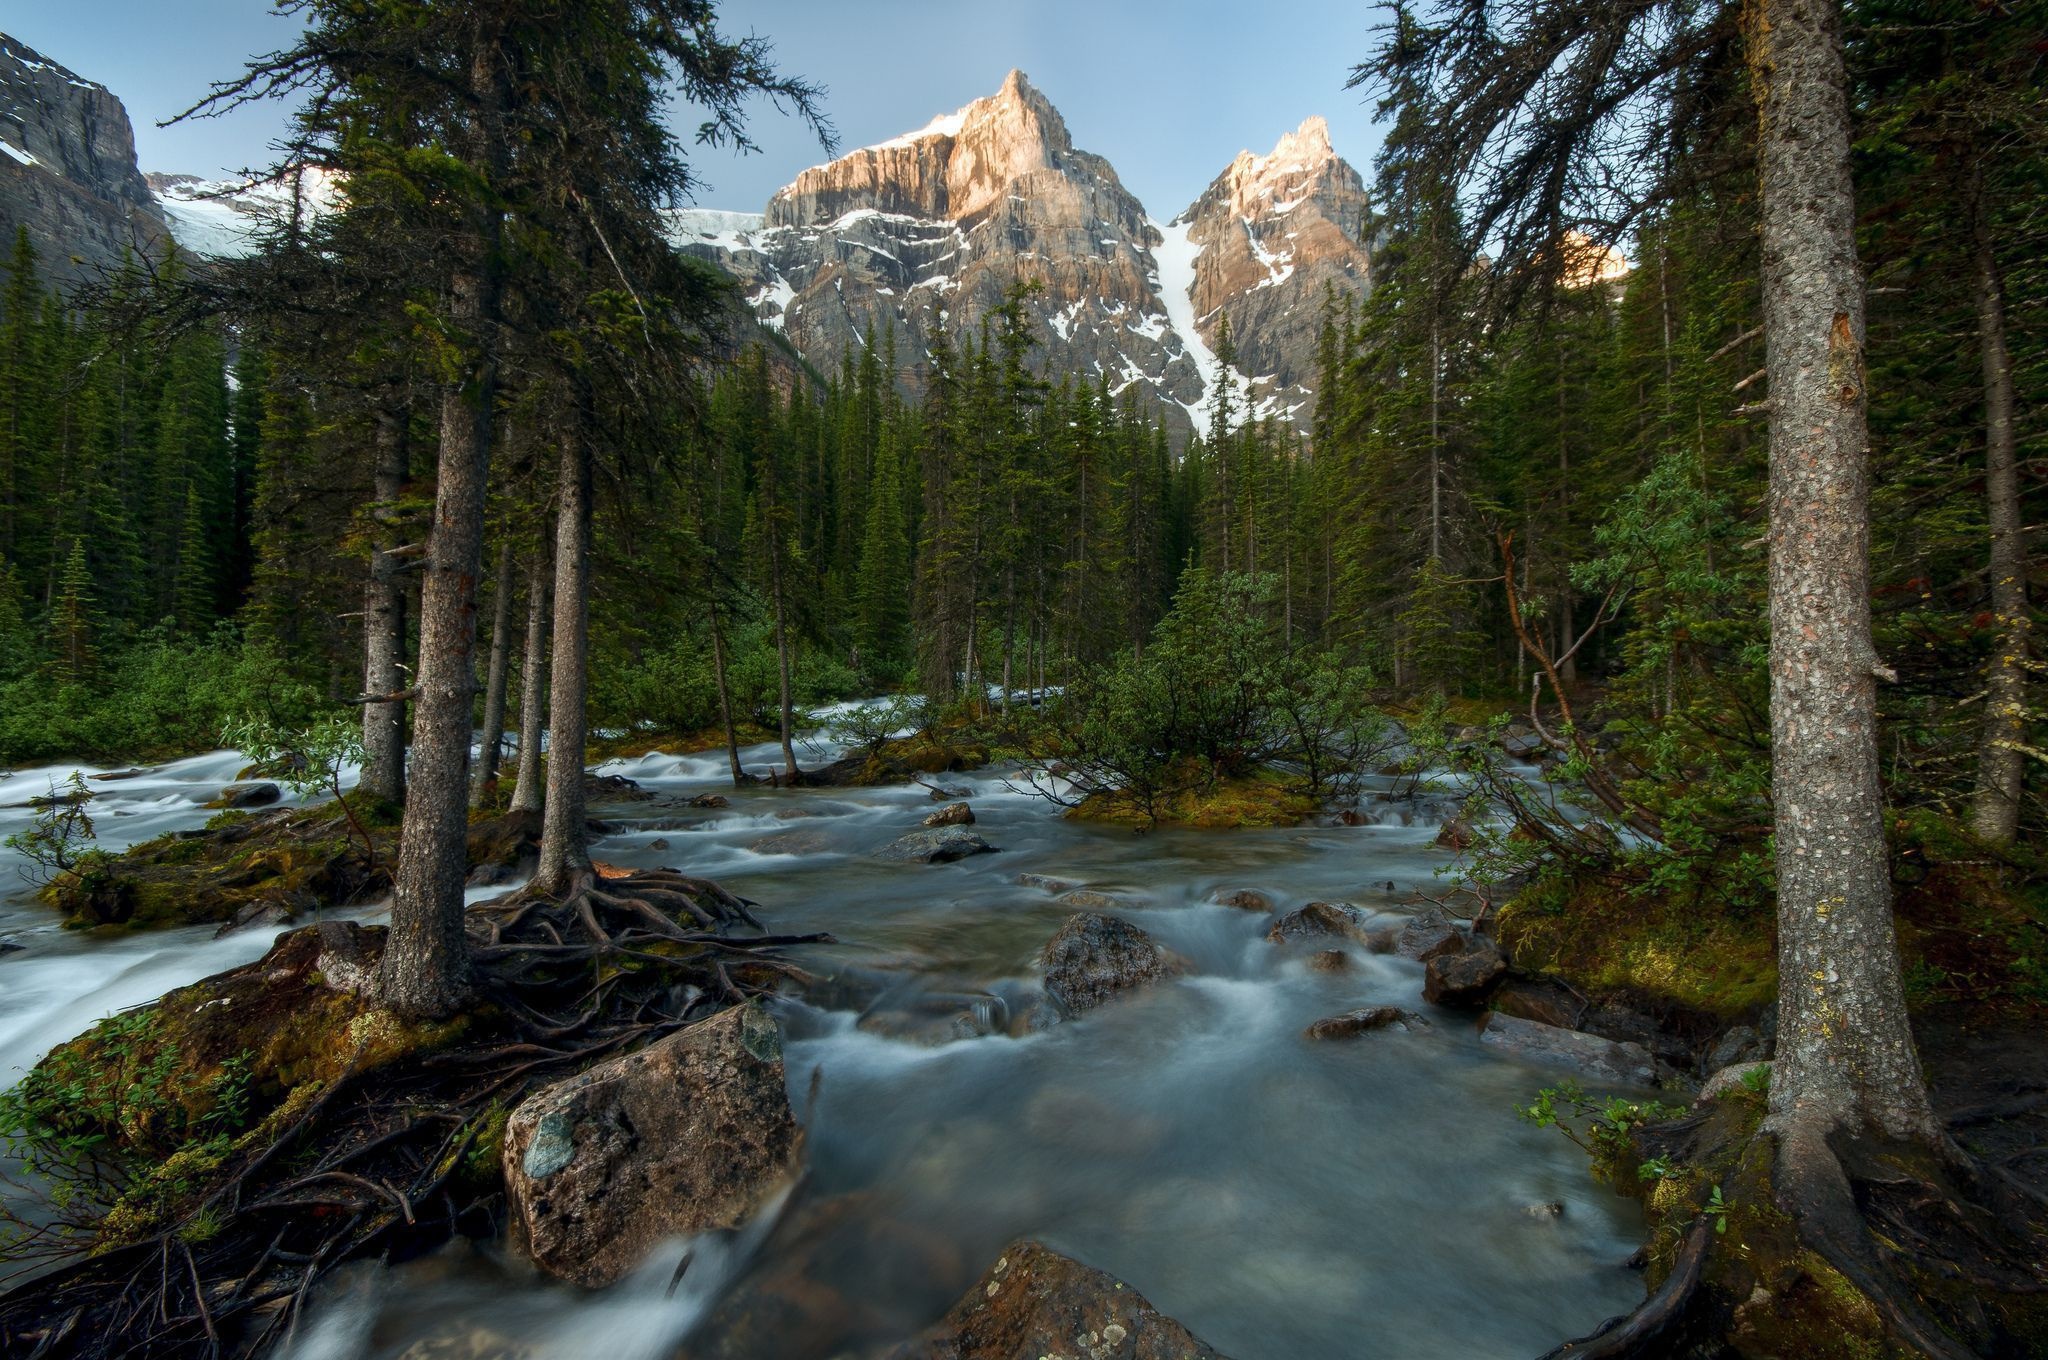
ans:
(1265, 799)
(1664, 951)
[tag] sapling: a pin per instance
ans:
(308, 760)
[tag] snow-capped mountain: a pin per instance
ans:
(925, 232)
(225, 217)
(915, 237)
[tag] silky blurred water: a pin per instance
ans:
(1286, 1200)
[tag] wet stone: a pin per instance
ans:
(940, 845)
(1095, 958)
(1599, 1060)
(1465, 978)
(1320, 920)
(953, 814)
(1364, 1020)
(1035, 1302)
(1329, 961)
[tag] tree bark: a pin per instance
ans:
(2001, 765)
(1845, 1058)
(384, 614)
(564, 854)
(484, 778)
(732, 736)
(784, 701)
(528, 794)
(425, 972)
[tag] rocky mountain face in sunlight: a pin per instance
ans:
(925, 233)
(67, 168)
(917, 237)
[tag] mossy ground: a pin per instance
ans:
(289, 860)
(165, 1095)
(1268, 798)
(1656, 952)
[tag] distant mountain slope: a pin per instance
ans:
(67, 168)
(926, 232)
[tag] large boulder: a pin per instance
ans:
(1035, 1302)
(938, 845)
(1602, 1061)
(1464, 978)
(1094, 958)
(1320, 921)
(689, 1134)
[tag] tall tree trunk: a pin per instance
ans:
(528, 793)
(425, 973)
(484, 778)
(1568, 625)
(564, 854)
(1845, 1058)
(2000, 764)
(384, 601)
(732, 736)
(785, 703)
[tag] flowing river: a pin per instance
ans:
(1367, 1199)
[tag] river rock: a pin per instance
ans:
(952, 814)
(242, 796)
(939, 845)
(1457, 834)
(614, 788)
(1045, 882)
(1329, 961)
(1364, 1020)
(692, 1133)
(1035, 1303)
(1087, 899)
(1095, 958)
(1427, 934)
(1320, 920)
(710, 800)
(1245, 899)
(801, 840)
(1465, 978)
(1737, 1045)
(1729, 1080)
(945, 795)
(1600, 1060)
(1544, 1000)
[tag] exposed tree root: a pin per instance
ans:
(394, 1161)
(1837, 1246)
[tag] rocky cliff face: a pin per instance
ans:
(1270, 236)
(924, 234)
(67, 168)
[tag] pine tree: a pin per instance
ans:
(73, 620)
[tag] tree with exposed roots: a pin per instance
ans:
(514, 122)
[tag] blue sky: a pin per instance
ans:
(1168, 91)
